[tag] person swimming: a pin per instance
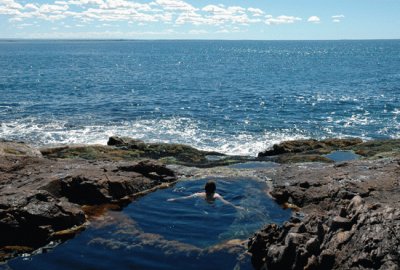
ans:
(209, 195)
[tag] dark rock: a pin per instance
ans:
(339, 222)
(42, 199)
(378, 148)
(343, 229)
(301, 228)
(29, 218)
(281, 196)
(123, 141)
(312, 246)
(343, 212)
(150, 169)
(127, 149)
(304, 184)
(280, 257)
(303, 146)
(312, 263)
(327, 259)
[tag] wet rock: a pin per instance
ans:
(124, 141)
(29, 218)
(307, 146)
(128, 149)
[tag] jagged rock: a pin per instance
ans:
(28, 218)
(339, 222)
(90, 187)
(41, 199)
(347, 226)
(312, 246)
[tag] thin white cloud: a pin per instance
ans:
(31, 6)
(46, 8)
(191, 18)
(256, 12)
(218, 15)
(88, 2)
(283, 19)
(337, 18)
(11, 4)
(120, 4)
(314, 19)
(175, 5)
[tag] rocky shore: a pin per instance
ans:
(43, 199)
(346, 214)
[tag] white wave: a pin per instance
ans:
(174, 130)
(185, 131)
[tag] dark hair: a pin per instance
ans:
(210, 187)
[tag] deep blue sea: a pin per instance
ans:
(237, 97)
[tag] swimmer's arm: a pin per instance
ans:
(184, 198)
(228, 203)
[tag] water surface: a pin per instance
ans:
(152, 233)
(236, 97)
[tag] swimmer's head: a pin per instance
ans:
(210, 187)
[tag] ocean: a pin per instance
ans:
(235, 97)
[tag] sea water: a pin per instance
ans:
(236, 97)
(153, 233)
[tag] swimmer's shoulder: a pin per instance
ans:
(199, 195)
(217, 196)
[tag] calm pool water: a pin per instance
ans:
(152, 233)
(340, 156)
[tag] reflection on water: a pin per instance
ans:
(152, 233)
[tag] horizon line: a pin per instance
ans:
(183, 39)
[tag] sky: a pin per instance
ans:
(202, 19)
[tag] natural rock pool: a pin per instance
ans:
(340, 156)
(152, 233)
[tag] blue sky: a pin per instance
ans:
(204, 19)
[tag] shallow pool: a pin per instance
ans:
(340, 156)
(152, 233)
